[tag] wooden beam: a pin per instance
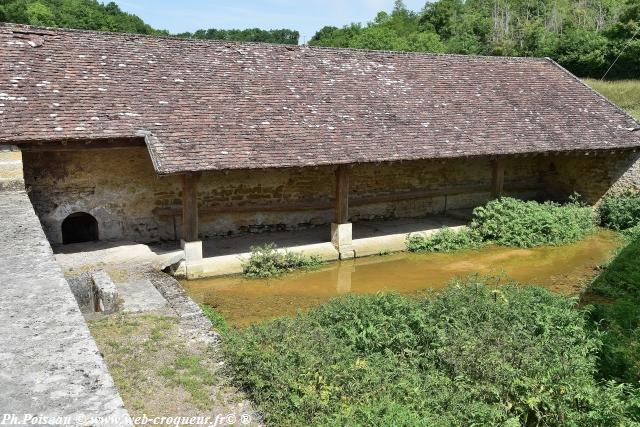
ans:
(363, 200)
(113, 144)
(190, 207)
(343, 174)
(497, 181)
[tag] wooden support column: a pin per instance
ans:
(497, 183)
(190, 207)
(342, 194)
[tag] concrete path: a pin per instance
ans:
(49, 363)
(140, 296)
(83, 255)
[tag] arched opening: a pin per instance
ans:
(79, 227)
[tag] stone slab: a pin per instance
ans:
(49, 363)
(140, 296)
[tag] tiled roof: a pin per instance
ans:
(220, 105)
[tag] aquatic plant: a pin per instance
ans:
(444, 240)
(512, 222)
(620, 211)
(474, 354)
(267, 261)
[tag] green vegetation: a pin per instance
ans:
(585, 37)
(158, 370)
(444, 240)
(512, 222)
(621, 211)
(83, 14)
(619, 316)
(623, 93)
(267, 261)
(525, 224)
(94, 15)
(218, 322)
(471, 355)
(283, 36)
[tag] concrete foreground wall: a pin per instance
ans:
(120, 189)
(49, 364)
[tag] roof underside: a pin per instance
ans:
(219, 105)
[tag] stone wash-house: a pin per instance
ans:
(131, 137)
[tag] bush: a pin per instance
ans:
(267, 261)
(472, 355)
(444, 240)
(620, 212)
(512, 222)
(620, 318)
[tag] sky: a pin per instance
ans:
(306, 16)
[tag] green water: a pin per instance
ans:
(563, 269)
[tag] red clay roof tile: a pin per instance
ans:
(207, 105)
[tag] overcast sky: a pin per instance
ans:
(306, 16)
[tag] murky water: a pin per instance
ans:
(243, 301)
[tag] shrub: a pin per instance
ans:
(512, 222)
(267, 261)
(620, 318)
(620, 212)
(471, 355)
(444, 240)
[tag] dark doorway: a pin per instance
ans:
(79, 227)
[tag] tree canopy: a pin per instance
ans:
(94, 15)
(585, 36)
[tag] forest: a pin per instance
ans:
(585, 36)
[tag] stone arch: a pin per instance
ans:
(79, 227)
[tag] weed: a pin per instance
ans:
(444, 240)
(471, 355)
(267, 261)
(512, 222)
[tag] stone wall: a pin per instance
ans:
(120, 189)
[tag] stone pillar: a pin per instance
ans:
(11, 175)
(341, 228)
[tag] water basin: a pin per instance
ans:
(562, 269)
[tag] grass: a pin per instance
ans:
(471, 355)
(623, 93)
(158, 372)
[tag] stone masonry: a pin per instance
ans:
(49, 364)
(121, 190)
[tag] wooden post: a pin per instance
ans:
(342, 194)
(497, 179)
(190, 207)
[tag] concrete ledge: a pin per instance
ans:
(49, 364)
(394, 241)
(232, 264)
(388, 243)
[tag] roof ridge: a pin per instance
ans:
(24, 28)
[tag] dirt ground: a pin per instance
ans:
(159, 373)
